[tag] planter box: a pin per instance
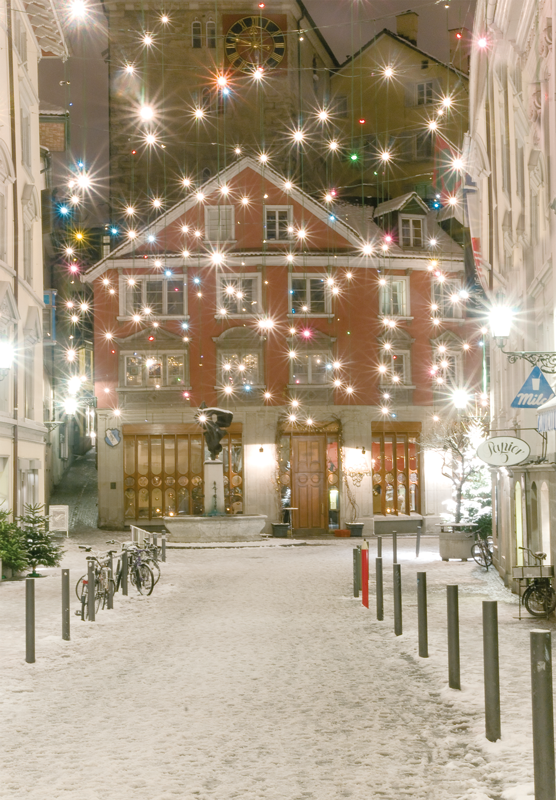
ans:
(455, 545)
(280, 530)
(355, 528)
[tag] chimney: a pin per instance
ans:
(460, 46)
(407, 25)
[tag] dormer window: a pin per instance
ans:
(412, 231)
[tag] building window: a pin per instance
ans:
(311, 368)
(164, 297)
(240, 368)
(424, 93)
(29, 382)
(238, 295)
(196, 34)
(446, 299)
(211, 34)
(393, 296)
(219, 223)
(423, 146)
(277, 222)
(308, 296)
(411, 231)
(341, 106)
(163, 475)
(154, 371)
(447, 368)
(395, 468)
(397, 367)
(28, 253)
(25, 121)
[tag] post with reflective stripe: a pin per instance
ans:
(66, 605)
(365, 573)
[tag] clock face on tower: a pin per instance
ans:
(254, 42)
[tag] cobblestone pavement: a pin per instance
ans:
(78, 490)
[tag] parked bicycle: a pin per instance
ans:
(539, 598)
(139, 572)
(482, 550)
(104, 582)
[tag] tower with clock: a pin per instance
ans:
(276, 65)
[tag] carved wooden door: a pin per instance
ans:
(309, 495)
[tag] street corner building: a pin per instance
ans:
(333, 336)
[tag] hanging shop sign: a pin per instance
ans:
(503, 451)
(535, 391)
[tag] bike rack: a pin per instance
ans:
(525, 573)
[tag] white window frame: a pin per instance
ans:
(230, 238)
(447, 288)
(382, 296)
(124, 289)
(411, 218)
(312, 350)
(161, 355)
(456, 357)
(405, 378)
(224, 355)
(289, 210)
(327, 295)
(196, 22)
(426, 101)
(231, 279)
(210, 38)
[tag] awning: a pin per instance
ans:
(546, 420)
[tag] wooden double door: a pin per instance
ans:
(309, 490)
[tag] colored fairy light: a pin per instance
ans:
(353, 157)
(151, 238)
(64, 210)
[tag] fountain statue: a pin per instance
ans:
(215, 525)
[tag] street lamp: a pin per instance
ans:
(460, 399)
(501, 317)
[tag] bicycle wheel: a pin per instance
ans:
(481, 555)
(143, 579)
(79, 587)
(154, 568)
(539, 601)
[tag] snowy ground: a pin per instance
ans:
(253, 673)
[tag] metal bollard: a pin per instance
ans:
(125, 567)
(66, 605)
(454, 681)
(398, 629)
(163, 549)
(30, 620)
(110, 604)
(543, 715)
(379, 589)
(356, 570)
(394, 547)
(365, 574)
(379, 546)
(91, 590)
(155, 539)
(491, 670)
(422, 621)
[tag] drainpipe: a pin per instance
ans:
(11, 83)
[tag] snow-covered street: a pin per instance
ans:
(253, 673)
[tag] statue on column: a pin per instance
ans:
(214, 421)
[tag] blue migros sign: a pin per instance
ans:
(534, 392)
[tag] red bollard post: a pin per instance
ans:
(365, 573)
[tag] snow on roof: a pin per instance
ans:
(399, 202)
(46, 26)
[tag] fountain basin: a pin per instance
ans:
(226, 528)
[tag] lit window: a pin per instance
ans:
(239, 295)
(443, 293)
(309, 296)
(151, 371)
(393, 297)
(165, 297)
(310, 368)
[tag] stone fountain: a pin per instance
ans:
(215, 525)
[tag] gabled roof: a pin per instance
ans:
(129, 247)
(316, 30)
(46, 26)
(406, 43)
(398, 203)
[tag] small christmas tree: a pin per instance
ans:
(13, 553)
(39, 543)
